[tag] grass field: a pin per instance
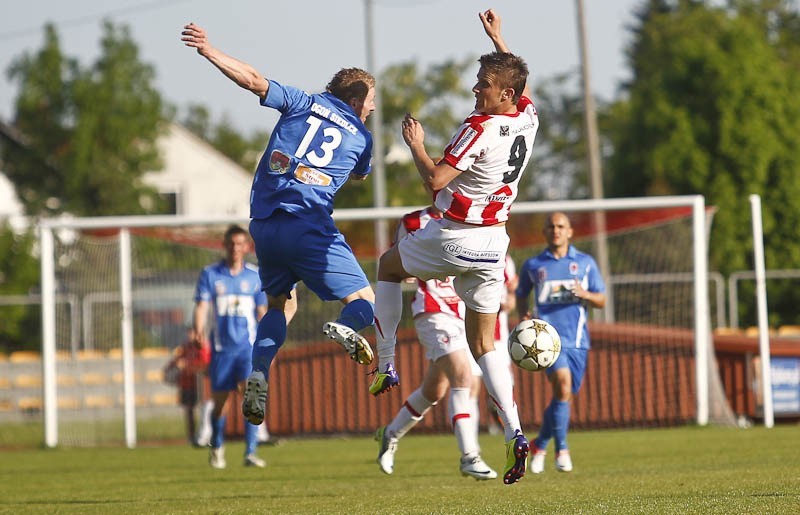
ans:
(685, 470)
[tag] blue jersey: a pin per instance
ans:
(552, 281)
(318, 141)
(234, 299)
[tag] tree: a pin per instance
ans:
(96, 127)
(19, 275)
(713, 109)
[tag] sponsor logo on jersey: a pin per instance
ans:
(278, 161)
(504, 130)
(573, 268)
(497, 198)
(463, 142)
(525, 127)
(311, 176)
(469, 255)
(452, 248)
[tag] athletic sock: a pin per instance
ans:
(388, 310)
(498, 384)
(270, 336)
(560, 423)
(357, 314)
(217, 431)
(546, 431)
(463, 426)
(410, 414)
(250, 438)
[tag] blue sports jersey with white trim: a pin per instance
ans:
(234, 299)
(318, 141)
(552, 280)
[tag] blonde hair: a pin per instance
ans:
(350, 83)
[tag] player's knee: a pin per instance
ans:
(390, 266)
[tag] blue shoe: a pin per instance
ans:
(384, 381)
(516, 455)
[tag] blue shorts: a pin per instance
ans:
(573, 359)
(229, 368)
(292, 249)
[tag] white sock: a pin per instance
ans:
(463, 422)
(475, 416)
(388, 311)
(410, 414)
(497, 379)
(263, 432)
(204, 431)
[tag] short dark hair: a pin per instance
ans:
(350, 83)
(232, 231)
(509, 70)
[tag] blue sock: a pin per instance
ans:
(560, 424)
(357, 314)
(270, 336)
(217, 431)
(546, 431)
(250, 438)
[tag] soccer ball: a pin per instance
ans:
(534, 345)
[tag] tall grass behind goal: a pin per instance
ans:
(135, 278)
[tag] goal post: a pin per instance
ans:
(133, 276)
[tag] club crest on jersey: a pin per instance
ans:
(541, 274)
(463, 142)
(573, 268)
(219, 287)
(504, 130)
(311, 176)
(278, 162)
(244, 285)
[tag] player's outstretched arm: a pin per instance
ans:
(238, 71)
(491, 24)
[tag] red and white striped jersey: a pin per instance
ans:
(434, 295)
(490, 151)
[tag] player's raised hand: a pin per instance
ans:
(195, 36)
(413, 133)
(491, 23)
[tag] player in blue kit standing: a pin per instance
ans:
(229, 296)
(318, 143)
(565, 283)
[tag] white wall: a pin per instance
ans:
(207, 182)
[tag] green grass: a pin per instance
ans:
(685, 470)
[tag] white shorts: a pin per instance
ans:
(475, 255)
(442, 334)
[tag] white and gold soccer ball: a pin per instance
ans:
(534, 345)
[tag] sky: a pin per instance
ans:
(303, 43)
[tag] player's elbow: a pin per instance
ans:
(435, 183)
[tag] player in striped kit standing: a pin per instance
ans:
(474, 185)
(439, 321)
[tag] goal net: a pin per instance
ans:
(134, 277)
